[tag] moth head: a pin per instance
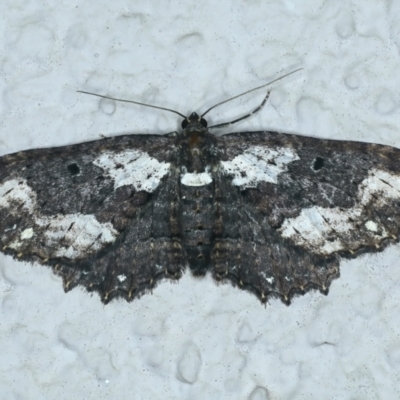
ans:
(194, 120)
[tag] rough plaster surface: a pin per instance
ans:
(194, 339)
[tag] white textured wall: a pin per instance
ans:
(194, 339)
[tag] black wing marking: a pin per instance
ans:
(101, 214)
(289, 207)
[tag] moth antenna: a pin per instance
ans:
(134, 102)
(249, 91)
(245, 116)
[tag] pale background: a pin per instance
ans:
(194, 339)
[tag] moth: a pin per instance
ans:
(269, 212)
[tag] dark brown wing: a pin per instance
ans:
(102, 214)
(289, 207)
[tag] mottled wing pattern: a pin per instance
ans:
(102, 214)
(289, 207)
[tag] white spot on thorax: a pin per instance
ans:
(133, 167)
(258, 163)
(121, 278)
(316, 224)
(196, 179)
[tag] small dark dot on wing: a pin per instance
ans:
(73, 169)
(318, 163)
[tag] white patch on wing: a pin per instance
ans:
(72, 234)
(69, 235)
(371, 226)
(196, 179)
(259, 164)
(382, 182)
(270, 279)
(26, 234)
(10, 229)
(314, 225)
(318, 226)
(17, 191)
(133, 167)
